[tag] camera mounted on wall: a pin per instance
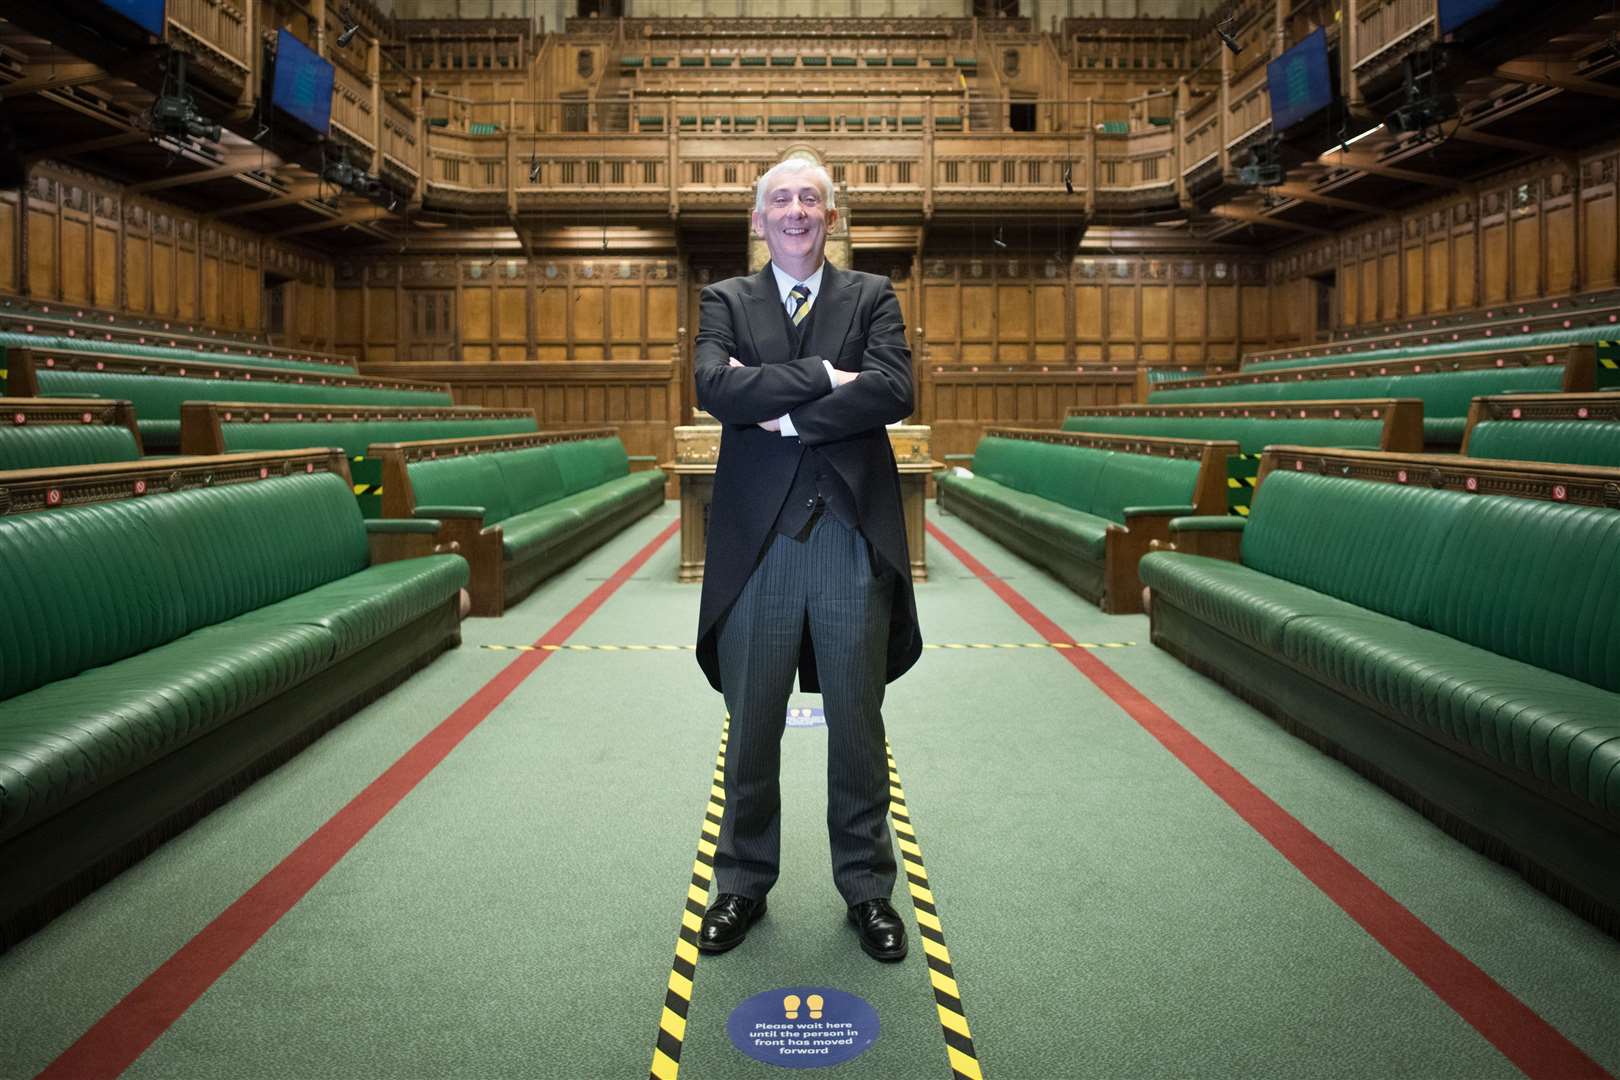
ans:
(174, 114)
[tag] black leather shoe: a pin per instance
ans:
(726, 922)
(882, 933)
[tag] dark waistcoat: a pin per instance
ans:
(816, 480)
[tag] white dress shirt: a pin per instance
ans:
(784, 285)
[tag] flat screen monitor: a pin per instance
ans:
(302, 84)
(1300, 82)
(146, 14)
(1454, 13)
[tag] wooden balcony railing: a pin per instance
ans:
(218, 27)
(1382, 24)
(399, 137)
(351, 107)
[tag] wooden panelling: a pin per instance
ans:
(1543, 229)
(91, 243)
(480, 312)
(640, 398)
(959, 405)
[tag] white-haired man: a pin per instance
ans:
(806, 570)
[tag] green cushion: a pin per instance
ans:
(230, 545)
(548, 526)
(1244, 603)
(35, 446)
(157, 398)
(67, 739)
(1373, 545)
(1535, 581)
(1252, 434)
(61, 344)
(84, 586)
(532, 477)
(355, 436)
(1574, 442)
(370, 604)
(1580, 335)
(1563, 731)
(1139, 480)
(468, 480)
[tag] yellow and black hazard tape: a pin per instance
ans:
(1609, 363)
(953, 1023)
(928, 645)
(666, 1059)
(368, 489)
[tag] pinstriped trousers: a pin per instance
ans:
(827, 581)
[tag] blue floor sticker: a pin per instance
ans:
(803, 1027)
(803, 716)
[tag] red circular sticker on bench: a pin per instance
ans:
(1400, 477)
(1518, 413)
(86, 418)
(1582, 413)
(53, 497)
(1560, 492)
(264, 472)
(1472, 483)
(19, 419)
(140, 487)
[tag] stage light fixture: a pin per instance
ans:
(1228, 40)
(349, 30)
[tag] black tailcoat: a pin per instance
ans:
(857, 326)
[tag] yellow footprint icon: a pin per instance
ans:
(814, 1001)
(790, 1005)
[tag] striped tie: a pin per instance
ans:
(800, 295)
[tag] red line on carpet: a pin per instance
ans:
(114, 1042)
(1536, 1047)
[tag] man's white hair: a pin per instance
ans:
(818, 173)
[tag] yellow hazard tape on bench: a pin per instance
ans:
(953, 1025)
(666, 1059)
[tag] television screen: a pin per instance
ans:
(1300, 81)
(146, 14)
(1453, 13)
(302, 84)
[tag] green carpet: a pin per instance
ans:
(516, 915)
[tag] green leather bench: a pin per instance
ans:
(1577, 429)
(62, 343)
(1155, 375)
(1529, 316)
(1447, 385)
(1086, 507)
(1449, 624)
(175, 628)
(1376, 424)
(158, 387)
(518, 507)
(212, 427)
(36, 433)
(1415, 350)
(98, 326)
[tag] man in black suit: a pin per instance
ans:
(807, 570)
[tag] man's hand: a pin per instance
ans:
(771, 425)
(842, 377)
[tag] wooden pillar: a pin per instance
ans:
(318, 14)
(419, 129)
(1224, 128)
(1093, 169)
(1179, 157)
